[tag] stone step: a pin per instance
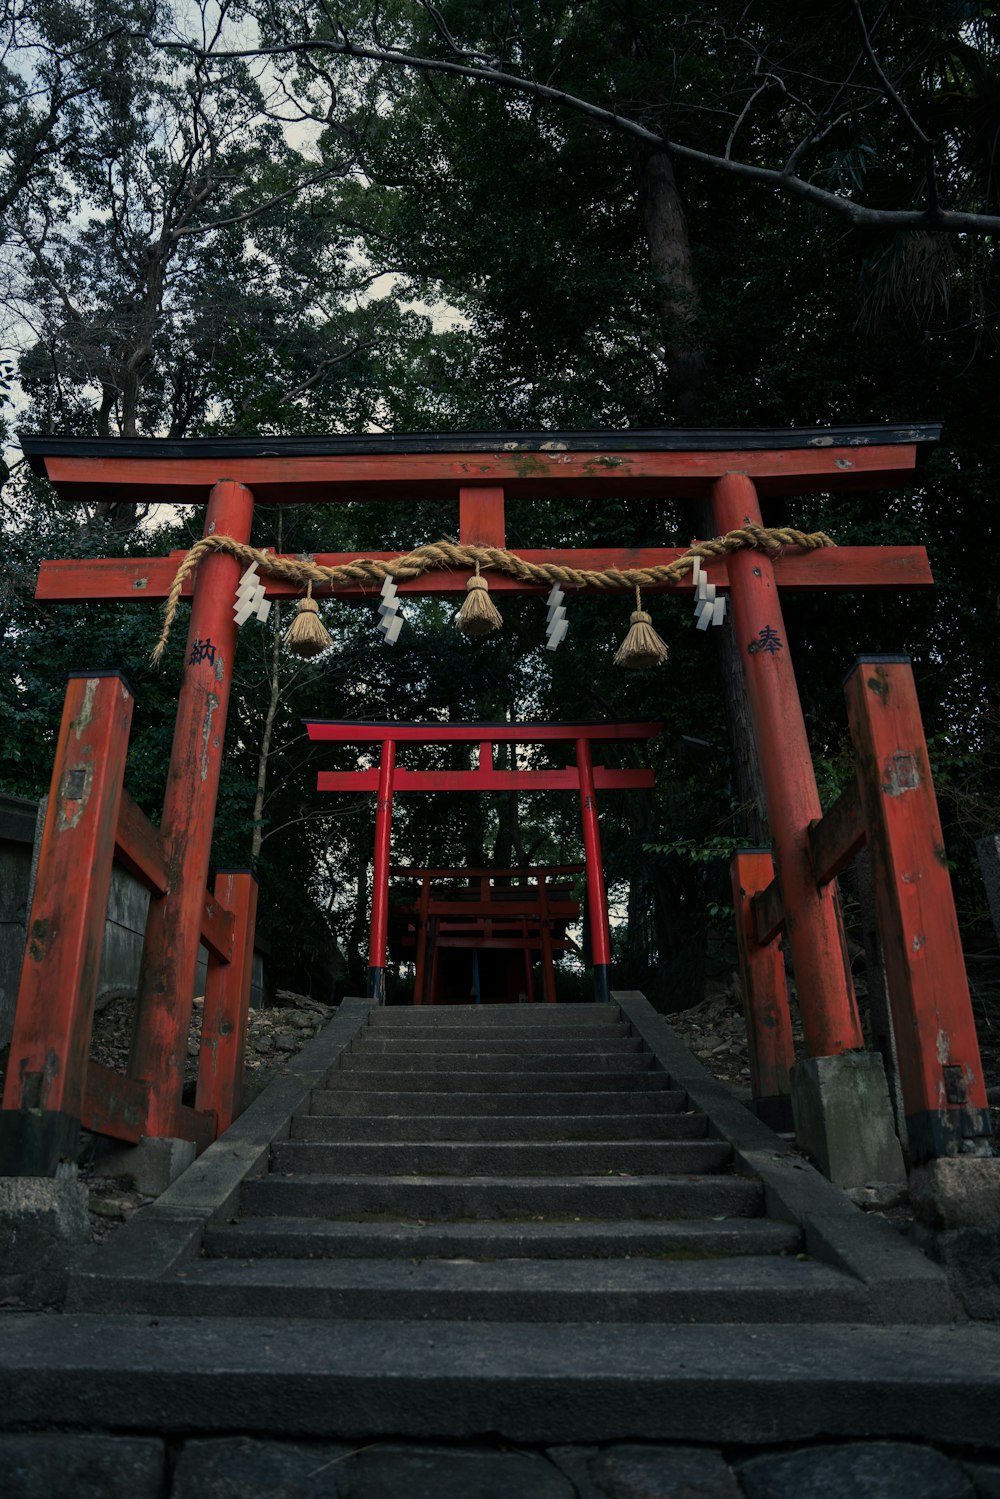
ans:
(400, 1043)
(438, 1198)
(426, 1127)
(605, 1030)
(516, 1064)
(488, 1158)
(686, 1383)
(752, 1288)
(308, 1239)
(357, 1100)
(489, 1015)
(472, 1081)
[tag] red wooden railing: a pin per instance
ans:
(53, 1087)
(890, 808)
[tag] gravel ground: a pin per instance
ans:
(275, 1034)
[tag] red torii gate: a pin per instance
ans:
(582, 776)
(531, 916)
(731, 469)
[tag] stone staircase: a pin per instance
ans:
(506, 1163)
(549, 1224)
(501, 1163)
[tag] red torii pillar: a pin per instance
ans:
(380, 874)
(170, 949)
(597, 900)
(814, 926)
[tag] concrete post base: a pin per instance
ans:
(957, 1191)
(152, 1164)
(41, 1218)
(843, 1118)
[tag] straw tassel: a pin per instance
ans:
(642, 647)
(478, 614)
(307, 635)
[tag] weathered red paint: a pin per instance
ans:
(227, 1003)
(297, 479)
(170, 953)
(383, 842)
(47, 1066)
(481, 517)
(139, 847)
(831, 569)
(768, 911)
(765, 989)
(834, 841)
(940, 1068)
(597, 903)
(838, 836)
(217, 928)
(114, 1105)
(813, 924)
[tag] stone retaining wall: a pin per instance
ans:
(50, 1465)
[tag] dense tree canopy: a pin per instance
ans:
(226, 219)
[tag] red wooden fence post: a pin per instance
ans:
(813, 924)
(380, 875)
(940, 1070)
(765, 993)
(173, 930)
(50, 1048)
(227, 1004)
(597, 905)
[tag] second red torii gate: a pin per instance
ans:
(582, 776)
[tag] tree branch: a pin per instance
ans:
(930, 169)
(858, 214)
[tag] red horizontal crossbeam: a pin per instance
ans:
(354, 731)
(472, 940)
(139, 847)
(69, 581)
(113, 1104)
(485, 780)
(411, 872)
(217, 926)
(290, 479)
(497, 911)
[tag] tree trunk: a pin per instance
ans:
(670, 258)
(357, 942)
